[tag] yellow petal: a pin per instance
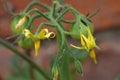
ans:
(21, 22)
(93, 56)
(91, 38)
(85, 42)
(42, 33)
(37, 46)
(27, 33)
(82, 40)
(50, 35)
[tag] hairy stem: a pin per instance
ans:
(26, 58)
(36, 3)
(38, 11)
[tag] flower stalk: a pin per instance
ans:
(26, 58)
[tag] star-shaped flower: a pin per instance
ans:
(43, 34)
(88, 43)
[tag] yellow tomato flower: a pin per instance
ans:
(21, 22)
(27, 33)
(88, 43)
(43, 34)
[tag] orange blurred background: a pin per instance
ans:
(107, 33)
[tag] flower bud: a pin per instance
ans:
(55, 72)
(26, 43)
(80, 26)
(19, 23)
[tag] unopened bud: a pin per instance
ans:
(55, 72)
(21, 22)
(80, 26)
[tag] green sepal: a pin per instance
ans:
(80, 54)
(78, 67)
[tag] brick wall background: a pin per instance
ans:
(107, 31)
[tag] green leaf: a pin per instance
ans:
(78, 66)
(65, 73)
(18, 71)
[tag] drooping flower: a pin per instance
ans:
(43, 34)
(88, 43)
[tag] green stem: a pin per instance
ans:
(11, 37)
(26, 58)
(31, 20)
(38, 11)
(70, 33)
(68, 21)
(61, 35)
(36, 3)
(18, 38)
(61, 40)
(53, 9)
(61, 53)
(56, 6)
(65, 69)
(62, 25)
(62, 14)
(68, 8)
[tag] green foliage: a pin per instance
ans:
(118, 77)
(78, 67)
(55, 18)
(20, 71)
(65, 72)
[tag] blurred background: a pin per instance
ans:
(107, 33)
